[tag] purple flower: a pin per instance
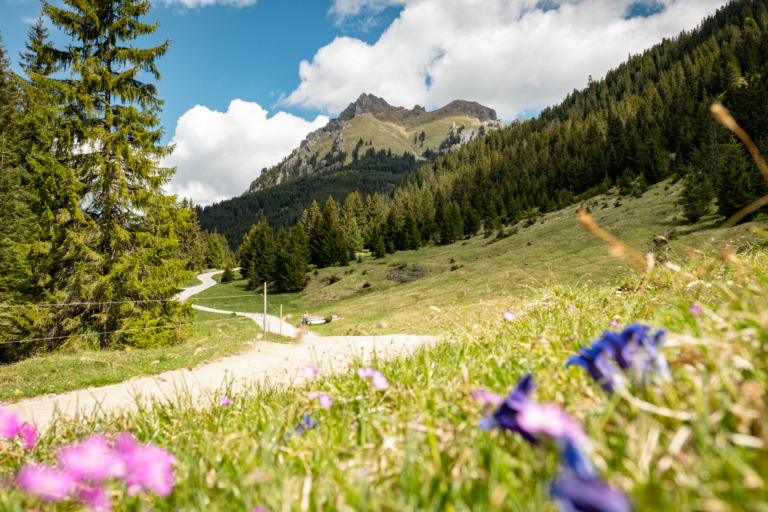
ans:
(146, 466)
(614, 324)
(506, 415)
(325, 399)
(306, 423)
(580, 489)
(550, 419)
(635, 348)
(225, 400)
(92, 459)
(508, 315)
(310, 371)
(28, 434)
(9, 423)
(377, 378)
(599, 366)
(487, 398)
(46, 483)
(574, 494)
(694, 310)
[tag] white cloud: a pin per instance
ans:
(343, 9)
(511, 55)
(218, 154)
(192, 4)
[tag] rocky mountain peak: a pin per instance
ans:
(365, 104)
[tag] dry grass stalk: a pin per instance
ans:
(724, 117)
(619, 249)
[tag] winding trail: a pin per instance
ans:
(266, 362)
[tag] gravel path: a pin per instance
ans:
(275, 363)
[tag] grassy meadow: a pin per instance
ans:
(417, 445)
(470, 278)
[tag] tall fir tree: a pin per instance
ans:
(330, 246)
(696, 198)
(16, 217)
(292, 261)
(108, 245)
(259, 255)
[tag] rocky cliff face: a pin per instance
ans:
(329, 140)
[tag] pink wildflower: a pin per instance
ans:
(225, 400)
(377, 378)
(694, 310)
(614, 324)
(28, 434)
(508, 315)
(92, 459)
(95, 497)
(46, 483)
(147, 466)
(310, 371)
(486, 397)
(325, 399)
(9, 423)
(365, 373)
(550, 419)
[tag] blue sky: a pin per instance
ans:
(246, 80)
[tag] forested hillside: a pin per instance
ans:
(374, 171)
(646, 120)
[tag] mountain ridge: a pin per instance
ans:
(370, 122)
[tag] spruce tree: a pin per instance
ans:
(260, 255)
(697, 196)
(329, 244)
(108, 231)
(16, 218)
(292, 262)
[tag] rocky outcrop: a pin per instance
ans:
(365, 104)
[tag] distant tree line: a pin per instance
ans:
(373, 171)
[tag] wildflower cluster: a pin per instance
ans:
(634, 349)
(84, 468)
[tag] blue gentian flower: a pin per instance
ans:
(597, 362)
(580, 489)
(306, 424)
(634, 347)
(519, 413)
(573, 494)
(506, 415)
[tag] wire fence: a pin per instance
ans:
(63, 304)
(139, 329)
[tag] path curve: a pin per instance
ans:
(274, 324)
(266, 362)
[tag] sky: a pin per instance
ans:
(245, 81)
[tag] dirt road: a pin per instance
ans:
(266, 362)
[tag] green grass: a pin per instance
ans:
(417, 446)
(211, 336)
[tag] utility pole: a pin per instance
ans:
(265, 311)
